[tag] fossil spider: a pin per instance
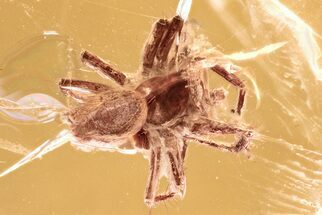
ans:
(159, 114)
(167, 109)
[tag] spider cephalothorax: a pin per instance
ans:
(166, 106)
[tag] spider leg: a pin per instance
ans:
(234, 80)
(104, 68)
(174, 28)
(80, 90)
(152, 45)
(238, 147)
(158, 46)
(177, 174)
(184, 150)
(179, 186)
(152, 186)
(206, 126)
(164, 197)
(48, 146)
(177, 178)
(175, 152)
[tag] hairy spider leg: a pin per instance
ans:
(164, 197)
(48, 146)
(154, 181)
(80, 90)
(181, 183)
(151, 196)
(158, 46)
(207, 126)
(238, 147)
(175, 157)
(174, 29)
(234, 80)
(104, 68)
(152, 45)
(184, 150)
(152, 186)
(142, 142)
(177, 173)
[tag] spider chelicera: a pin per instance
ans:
(167, 105)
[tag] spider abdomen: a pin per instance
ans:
(108, 115)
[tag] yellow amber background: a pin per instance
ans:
(283, 172)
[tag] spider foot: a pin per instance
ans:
(160, 198)
(163, 197)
